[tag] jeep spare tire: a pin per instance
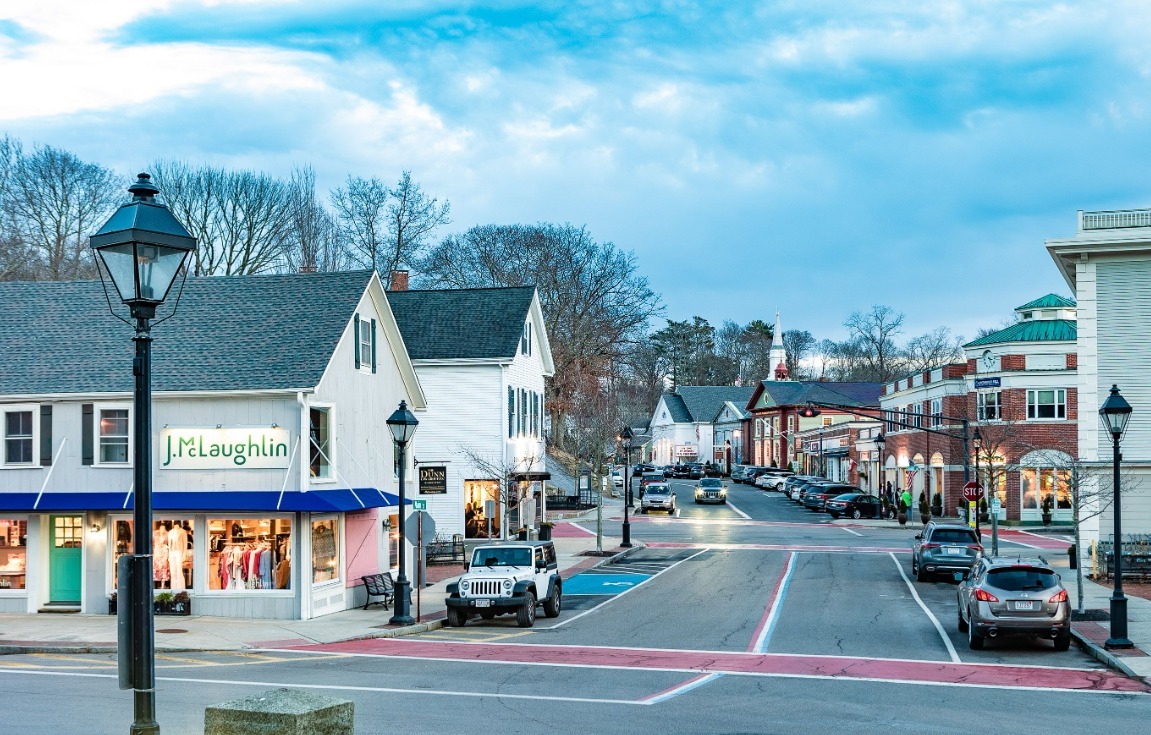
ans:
(526, 615)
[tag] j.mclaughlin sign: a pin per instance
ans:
(224, 449)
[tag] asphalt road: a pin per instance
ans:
(757, 617)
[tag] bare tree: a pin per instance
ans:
(412, 217)
(315, 244)
(52, 202)
(875, 333)
(241, 219)
(362, 216)
(12, 256)
(798, 344)
(935, 348)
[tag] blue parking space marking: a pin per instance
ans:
(603, 584)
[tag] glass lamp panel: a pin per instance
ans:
(158, 266)
(118, 261)
(402, 432)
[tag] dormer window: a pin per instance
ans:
(1025, 315)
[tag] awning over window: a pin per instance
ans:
(314, 501)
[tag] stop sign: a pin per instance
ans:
(972, 492)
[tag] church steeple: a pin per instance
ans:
(778, 356)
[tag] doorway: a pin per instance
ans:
(64, 558)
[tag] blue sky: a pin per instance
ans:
(815, 156)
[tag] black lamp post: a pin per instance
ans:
(403, 425)
(977, 442)
(1115, 413)
(880, 440)
(822, 466)
(625, 438)
(142, 247)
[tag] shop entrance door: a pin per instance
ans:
(64, 558)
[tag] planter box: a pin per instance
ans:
(161, 608)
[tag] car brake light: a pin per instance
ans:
(984, 596)
(1060, 596)
(977, 547)
(931, 546)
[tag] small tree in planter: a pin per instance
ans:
(546, 530)
(937, 505)
(902, 513)
(924, 511)
(983, 517)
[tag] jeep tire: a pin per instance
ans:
(526, 615)
(457, 618)
(553, 603)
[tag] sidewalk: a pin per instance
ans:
(75, 633)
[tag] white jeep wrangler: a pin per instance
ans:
(507, 578)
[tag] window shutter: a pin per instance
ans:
(356, 338)
(373, 345)
(511, 411)
(86, 433)
(45, 436)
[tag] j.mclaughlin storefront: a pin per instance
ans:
(241, 554)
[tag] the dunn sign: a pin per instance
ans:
(226, 448)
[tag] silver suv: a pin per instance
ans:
(658, 496)
(1014, 596)
(511, 578)
(710, 490)
(944, 548)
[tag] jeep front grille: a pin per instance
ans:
(485, 587)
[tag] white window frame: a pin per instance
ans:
(203, 552)
(526, 339)
(364, 344)
(330, 410)
(981, 406)
(34, 409)
(97, 410)
(1060, 404)
(936, 412)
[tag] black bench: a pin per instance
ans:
(379, 585)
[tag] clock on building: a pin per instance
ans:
(988, 360)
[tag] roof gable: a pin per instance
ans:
(228, 333)
(475, 323)
(1046, 330)
(1050, 301)
(701, 403)
(777, 393)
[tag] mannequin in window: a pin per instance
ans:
(177, 549)
(161, 572)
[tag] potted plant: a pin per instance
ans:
(112, 603)
(924, 511)
(902, 513)
(937, 505)
(1047, 508)
(167, 603)
(522, 533)
(983, 516)
(546, 530)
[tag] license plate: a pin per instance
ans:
(483, 603)
(956, 550)
(1026, 605)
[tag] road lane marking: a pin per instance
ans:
(625, 592)
(857, 533)
(693, 683)
(743, 515)
(934, 620)
(780, 547)
(767, 624)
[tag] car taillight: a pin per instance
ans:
(984, 596)
(977, 547)
(931, 546)
(1060, 596)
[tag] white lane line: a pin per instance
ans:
(743, 515)
(573, 524)
(773, 615)
(684, 688)
(857, 533)
(934, 620)
(628, 590)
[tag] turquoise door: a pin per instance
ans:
(64, 561)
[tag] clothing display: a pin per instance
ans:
(248, 567)
(160, 569)
(177, 551)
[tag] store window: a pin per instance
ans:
(1047, 404)
(248, 554)
(13, 553)
(988, 407)
(172, 547)
(320, 432)
(18, 437)
(325, 550)
(113, 425)
(477, 522)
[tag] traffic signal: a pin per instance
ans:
(809, 411)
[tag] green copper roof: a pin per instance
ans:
(1050, 301)
(1039, 330)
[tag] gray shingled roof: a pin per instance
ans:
(800, 392)
(229, 333)
(698, 403)
(472, 323)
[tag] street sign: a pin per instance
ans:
(972, 492)
(412, 527)
(419, 505)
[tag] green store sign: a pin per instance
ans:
(225, 448)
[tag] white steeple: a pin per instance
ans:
(778, 356)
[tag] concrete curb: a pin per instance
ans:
(1103, 655)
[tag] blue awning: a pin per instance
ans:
(313, 501)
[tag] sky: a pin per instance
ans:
(814, 157)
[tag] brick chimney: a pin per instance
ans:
(399, 281)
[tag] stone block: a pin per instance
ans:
(281, 712)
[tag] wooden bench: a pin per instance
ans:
(379, 585)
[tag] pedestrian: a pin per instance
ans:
(906, 499)
(890, 494)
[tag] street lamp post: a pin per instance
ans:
(625, 438)
(402, 423)
(1115, 413)
(822, 466)
(977, 442)
(880, 440)
(142, 247)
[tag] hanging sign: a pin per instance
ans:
(433, 480)
(224, 448)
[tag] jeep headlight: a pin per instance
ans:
(507, 585)
(464, 585)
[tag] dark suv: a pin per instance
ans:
(944, 548)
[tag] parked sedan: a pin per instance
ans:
(1014, 596)
(816, 498)
(854, 505)
(658, 496)
(694, 471)
(944, 548)
(710, 490)
(739, 472)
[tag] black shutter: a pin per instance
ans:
(356, 338)
(511, 412)
(86, 433)
(45, 436)
(373, 345)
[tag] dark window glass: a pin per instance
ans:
(1017, 580)
(953, 536)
